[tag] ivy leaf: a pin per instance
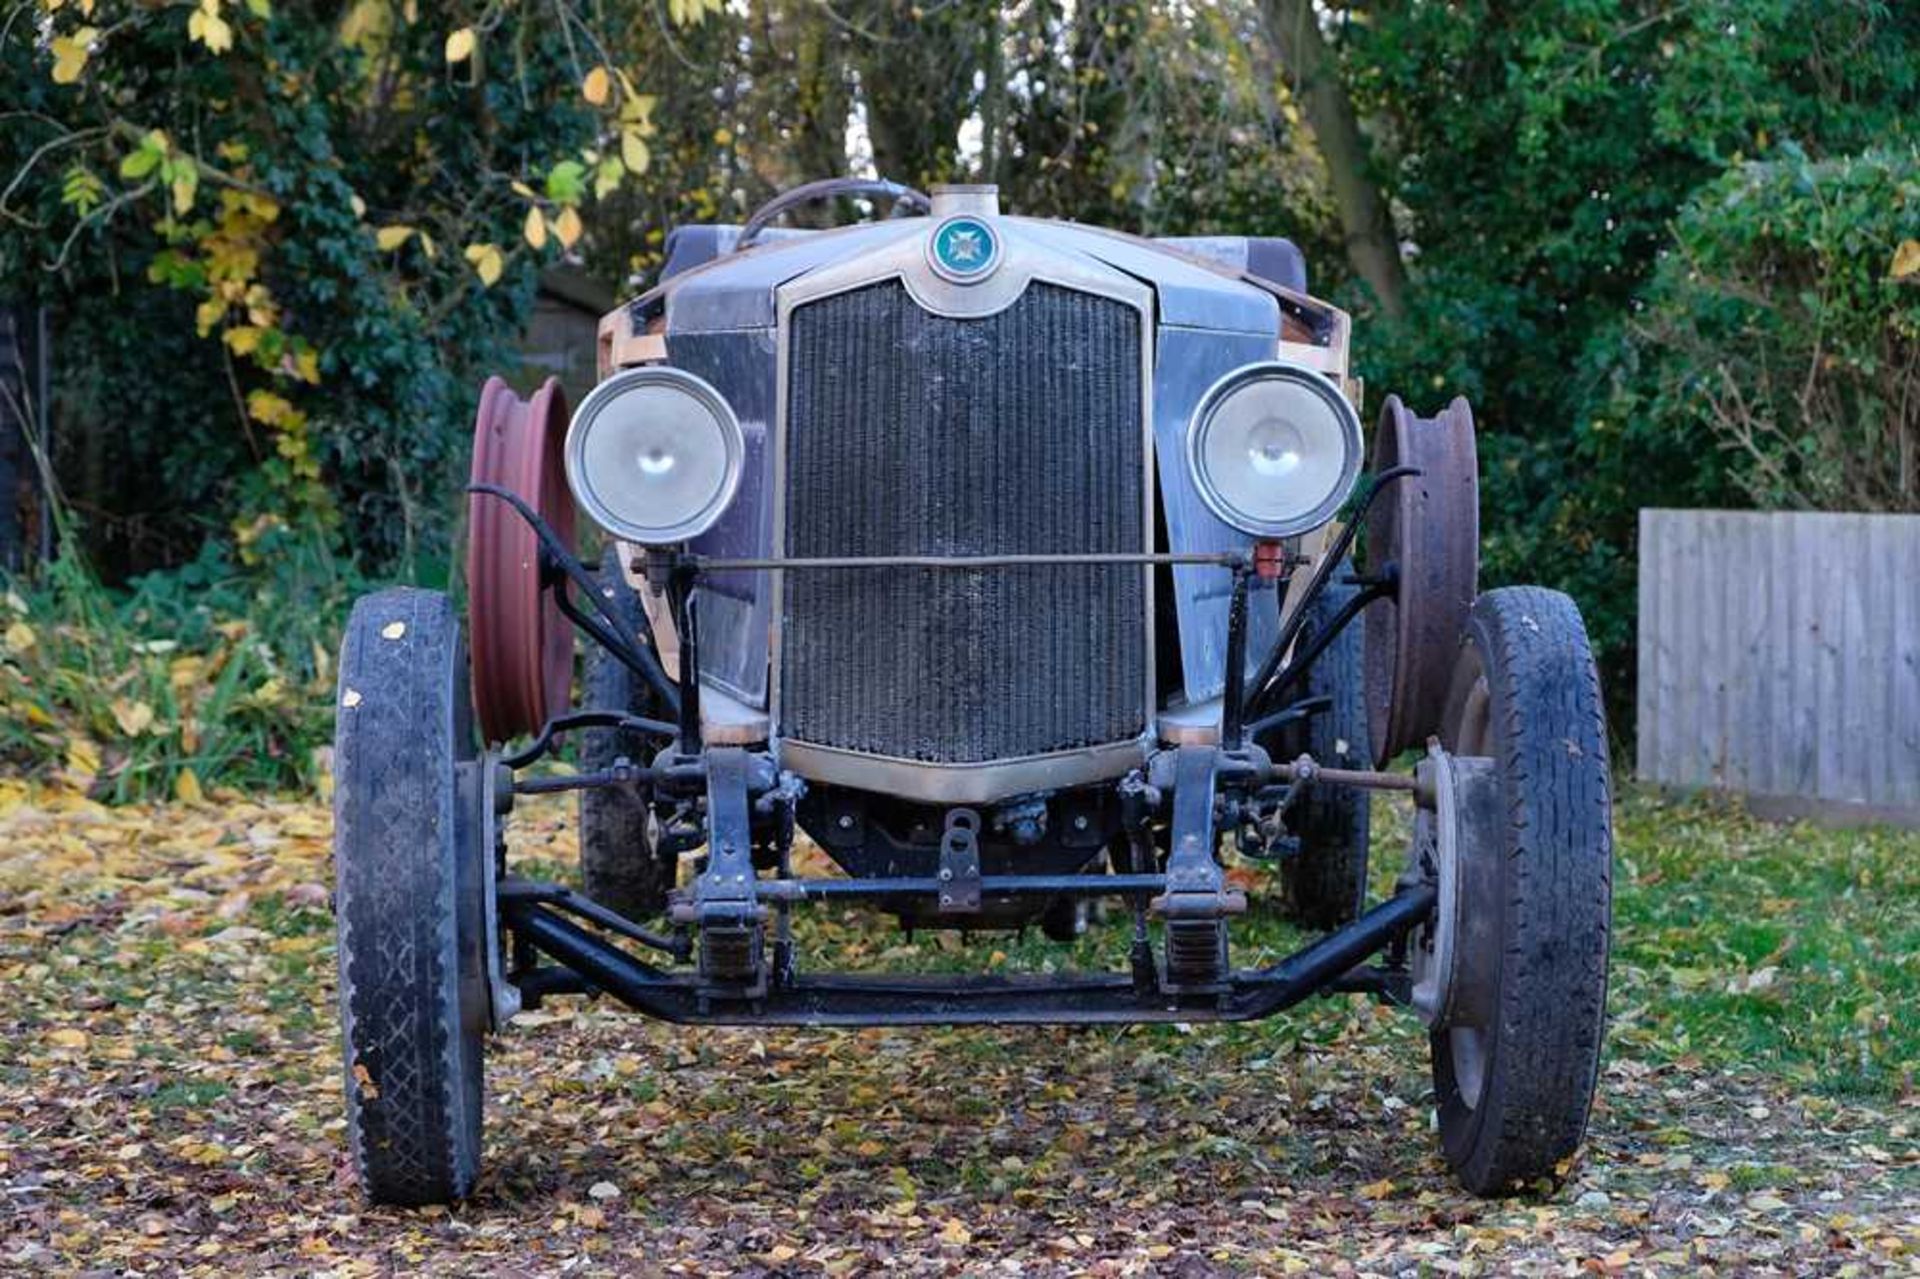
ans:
(596, 86)
(535, 229)
(460, 45)
(70, 54)
(486, 262)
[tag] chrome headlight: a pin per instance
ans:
(654, 455)
(1274, 449)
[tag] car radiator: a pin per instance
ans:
(910, 433)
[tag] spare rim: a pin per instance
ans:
(1427, 527)
(522, 644)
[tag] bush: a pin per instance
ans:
(1784, 326)
(213, 671)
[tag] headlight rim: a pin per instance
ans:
(696, 387)
(1320, 385)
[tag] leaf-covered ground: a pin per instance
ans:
(170, 1092)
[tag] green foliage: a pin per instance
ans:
(1790, 950)
(294, 237)
(1784, 328)
(213, 670)
(1538, 156)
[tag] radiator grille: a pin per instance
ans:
(914, 434)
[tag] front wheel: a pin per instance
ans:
(1514, 1091)
(408, 843)
(619, 866)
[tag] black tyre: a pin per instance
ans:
(1514, 1095)
(408, 843)
(1326, 881)
(618, 865)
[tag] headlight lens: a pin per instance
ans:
(1275, 449)
(654, 455)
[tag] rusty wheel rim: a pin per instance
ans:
(1428, 528)
(522, 646)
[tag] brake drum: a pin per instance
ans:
(1426, 529)
(522, 644)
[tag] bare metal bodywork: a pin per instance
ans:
(1204, 313)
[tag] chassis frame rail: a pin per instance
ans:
(591, 963)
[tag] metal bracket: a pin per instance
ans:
(494, 782)
(725, 899)
(960, 863)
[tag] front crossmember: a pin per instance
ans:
(588, 962)
(722, 919)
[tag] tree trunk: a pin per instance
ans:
(1372, 247)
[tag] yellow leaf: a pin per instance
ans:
(393, 630)
(70, 54)
(1376, 1190)
(389, 238)
(536, 228)
(209, 28)
(460, 45)
(20, 637)
(596, 86)
(955, 1232)
(186, 181)
(486, 262)
(67, 1037)
(267, 408)
(606, 177)
(208, 314)
(1906, 259)
(633, 151)
(637, 110)
(242, 339)
(83, 762)
(567, 226)
(134, 718)
(358, 205)
(186, 787)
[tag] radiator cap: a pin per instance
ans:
(980, 199)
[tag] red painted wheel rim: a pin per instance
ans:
(522, 645)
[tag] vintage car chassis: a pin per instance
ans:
(1196, 791)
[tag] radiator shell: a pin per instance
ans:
(914, 433)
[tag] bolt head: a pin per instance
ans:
(1081, 822)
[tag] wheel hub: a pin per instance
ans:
(1456, 955)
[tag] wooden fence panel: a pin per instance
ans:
(1780, 658)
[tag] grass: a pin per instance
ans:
(170, 1012)
(1792, 949)
(212, 672)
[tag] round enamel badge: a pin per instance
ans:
(964, 249)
